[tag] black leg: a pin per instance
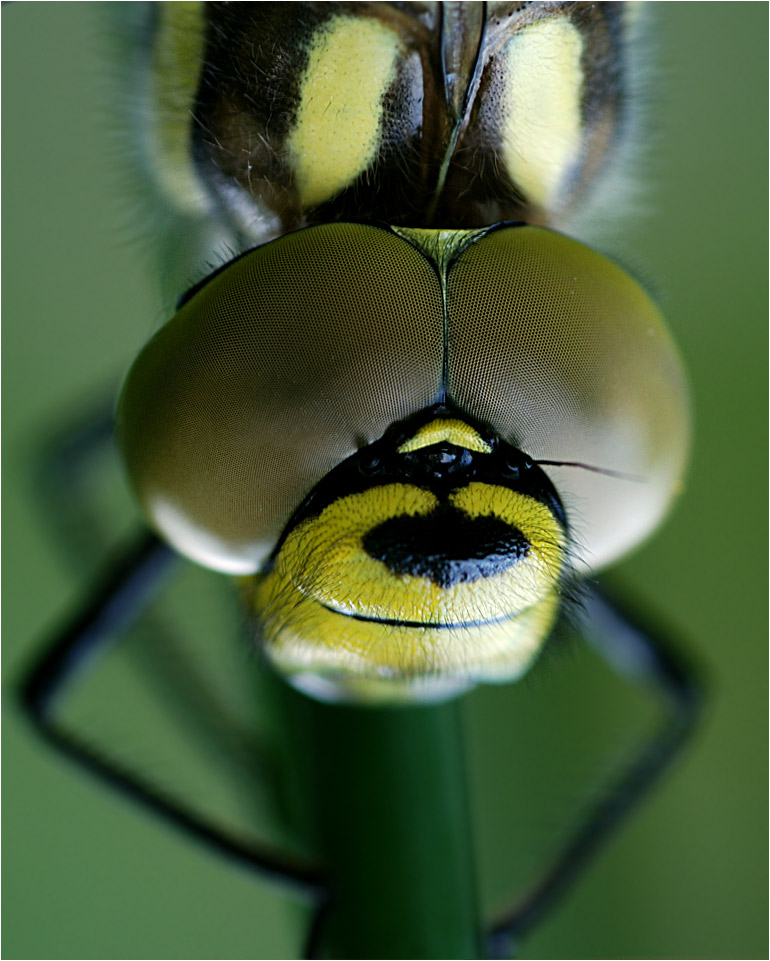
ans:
(644, 656)
(69, 471)
(314, 938)
(74, 466)
(117, 600)
(72, 472)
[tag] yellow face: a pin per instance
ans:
(441, 570)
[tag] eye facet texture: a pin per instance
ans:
(309, 347)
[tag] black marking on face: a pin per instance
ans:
(446, 546)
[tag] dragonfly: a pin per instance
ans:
(520, 212)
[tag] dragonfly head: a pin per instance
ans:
(354, 415)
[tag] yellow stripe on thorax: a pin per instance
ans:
(351, 64)
(176, 62)
(542, 127)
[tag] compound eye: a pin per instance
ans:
(566, 357)
(271, 374)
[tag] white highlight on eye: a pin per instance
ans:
(200, 545)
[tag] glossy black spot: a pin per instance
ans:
(446, 546)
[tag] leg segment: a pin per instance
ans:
(643, 655)
(114, 604)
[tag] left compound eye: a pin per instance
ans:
(270, 375)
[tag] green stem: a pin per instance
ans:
(384, 797)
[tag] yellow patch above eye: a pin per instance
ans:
(541, 125)
(351, 63)
(446, 431)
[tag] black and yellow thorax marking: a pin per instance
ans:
(443, 114)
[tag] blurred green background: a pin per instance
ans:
(88, 877)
